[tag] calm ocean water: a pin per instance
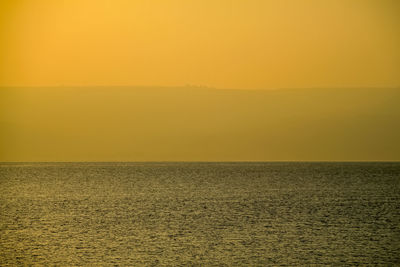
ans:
(199, 213)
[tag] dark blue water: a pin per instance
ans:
(199, 213)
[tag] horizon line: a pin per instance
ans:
(212, 161)
(194, 86)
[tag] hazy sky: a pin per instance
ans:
(151, 124)
(54, 45)
(247, 44)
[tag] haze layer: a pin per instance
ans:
(191, 124)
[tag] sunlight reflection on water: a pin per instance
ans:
(199, 213)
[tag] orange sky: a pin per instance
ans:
(248, 44)
(169, 44)
(198, 124)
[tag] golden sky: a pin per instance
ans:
(249, 44)
(57, 49)
(198, 124)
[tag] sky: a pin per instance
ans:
(252, 44)
(129, 80)
(199, 124)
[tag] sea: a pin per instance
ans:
(200, 214)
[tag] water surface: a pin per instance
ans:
(199, 213)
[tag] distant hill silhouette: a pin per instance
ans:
(107, 123)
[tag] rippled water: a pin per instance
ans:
(199, 213)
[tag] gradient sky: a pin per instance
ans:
(250, 44)
(57, 50)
